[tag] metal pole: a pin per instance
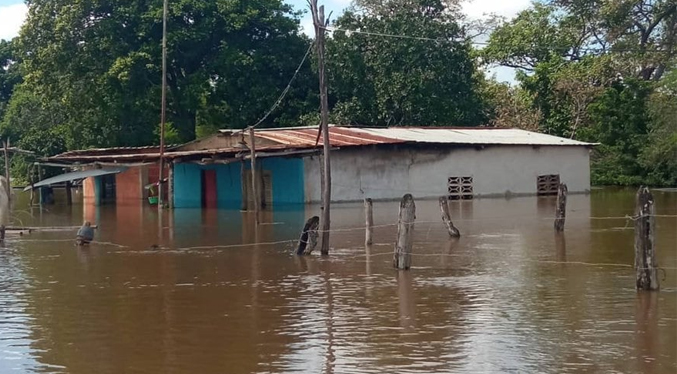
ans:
(164, 103)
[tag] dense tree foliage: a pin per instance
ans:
(596, 71)
(381, 80)
(101, 60)
(9, 74)
(87, 73)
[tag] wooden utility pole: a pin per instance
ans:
(163, 117)
(320, 23)
(645, 253)
(9, 185)
(561, 213)
(255, 196)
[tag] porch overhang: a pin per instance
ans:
(76, 175)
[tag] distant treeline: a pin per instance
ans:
(88, 74)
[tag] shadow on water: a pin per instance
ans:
(509, 295)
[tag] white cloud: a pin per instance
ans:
(11, 19)
(476, 9)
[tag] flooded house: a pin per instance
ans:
(121, 175)
(379, 163)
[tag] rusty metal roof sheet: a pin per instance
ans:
(338, 137)
(356, 136)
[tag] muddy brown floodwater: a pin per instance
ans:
(509, 296)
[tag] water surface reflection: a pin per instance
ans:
(225, 296)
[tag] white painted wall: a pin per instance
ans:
(497, 170)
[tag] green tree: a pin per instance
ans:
(509, 107)
(595, 71)
(382, 80)
(10, 75)
(227, 62)
(567, 51)
(659, 155)
(621, 120)
(34, 124)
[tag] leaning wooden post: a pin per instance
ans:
(308, 240)
(9, 183)
(369, 221)
(446, 218)
(561, 213)
(405, 233)
(255, 196)
(645, 254)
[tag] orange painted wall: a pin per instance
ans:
(129, 185)
(88, 189)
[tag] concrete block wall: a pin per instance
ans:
(358, 173)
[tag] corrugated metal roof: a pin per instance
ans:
(290, 139)
(478, 136)
(355, 136)
(338, 137)
(115, 150)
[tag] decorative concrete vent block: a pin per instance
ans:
(460, 188)
(548, 184)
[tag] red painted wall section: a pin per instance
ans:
(209, 188)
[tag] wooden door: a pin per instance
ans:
(209, 191)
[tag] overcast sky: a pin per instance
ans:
(13, 13)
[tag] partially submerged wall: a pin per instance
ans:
(497, 170)
(284, 177)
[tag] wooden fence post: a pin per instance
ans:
(369, 221)
(308, 240)
(561, 213)
(405, 233)
(645, 254)
(446, 218)
(69, 193)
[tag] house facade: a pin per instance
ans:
(377, 163)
